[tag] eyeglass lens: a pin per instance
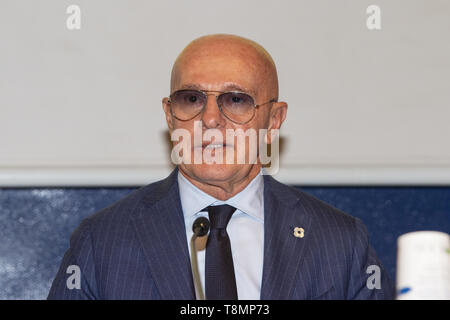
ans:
(238, 107)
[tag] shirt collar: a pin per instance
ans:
(250, 200)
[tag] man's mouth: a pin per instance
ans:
(214, 145)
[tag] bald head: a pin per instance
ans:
(228, 59)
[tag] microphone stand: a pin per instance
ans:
(200, 229)
(195, 271)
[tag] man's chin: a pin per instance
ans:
(213, 172)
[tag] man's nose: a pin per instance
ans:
(212, 117)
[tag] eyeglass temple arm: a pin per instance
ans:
(270, 101)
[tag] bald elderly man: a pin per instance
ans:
(264, 240)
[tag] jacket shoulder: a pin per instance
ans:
(320, 211)
(123, 209)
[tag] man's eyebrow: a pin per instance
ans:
(235, 87)
(226, 87)
(191, 86)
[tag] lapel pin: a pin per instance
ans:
(299, 232)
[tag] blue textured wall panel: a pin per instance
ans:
(36, 224)
(389, 212)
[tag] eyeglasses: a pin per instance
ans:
(238, 107)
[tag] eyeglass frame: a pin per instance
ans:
(205, 92)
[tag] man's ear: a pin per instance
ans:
(169, 118)
(277, 117)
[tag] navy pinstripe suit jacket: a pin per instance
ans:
(137, 249)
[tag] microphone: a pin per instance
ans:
(200, 227)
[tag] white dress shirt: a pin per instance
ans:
(245, 229)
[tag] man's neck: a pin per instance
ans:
(224, 190)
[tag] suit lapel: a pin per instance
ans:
(283, 252)
(161, 230)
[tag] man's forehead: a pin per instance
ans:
(226, 61)
(218, 72)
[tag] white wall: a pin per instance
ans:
(83, 107)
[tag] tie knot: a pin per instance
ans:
(220, 215)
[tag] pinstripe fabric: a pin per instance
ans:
(137, 249)
(329, 262)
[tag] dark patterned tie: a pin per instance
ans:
(220, 282)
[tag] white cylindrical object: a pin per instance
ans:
(423, 266)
